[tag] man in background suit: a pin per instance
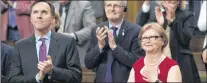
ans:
(6, 52)
(77, 19)
(29, 60)
(113, 56)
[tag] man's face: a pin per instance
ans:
(114, 10)
(41, 17)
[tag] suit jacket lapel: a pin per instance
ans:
(54, 45)
(70, 15)
(32, 52)
(106, 40)
(122, 33)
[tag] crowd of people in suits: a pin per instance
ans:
(55, 39)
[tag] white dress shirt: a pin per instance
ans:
(38, 44)
(202, 21)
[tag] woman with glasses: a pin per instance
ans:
(180, 28)
(155, 66)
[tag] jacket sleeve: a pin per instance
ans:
(142, 18)
(184, 28)
(16, 71)
(88, 22)
(93, 56)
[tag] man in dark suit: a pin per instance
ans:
(6, 52)
(180, 30)
(29, 60)
(113, 45)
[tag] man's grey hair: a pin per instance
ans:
(124, 2)
(182, 4)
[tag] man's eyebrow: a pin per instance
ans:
(44, 11)
(41, 10)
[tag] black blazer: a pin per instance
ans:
(6, 52)
(125, 54)
(142, 18)
(65, 59)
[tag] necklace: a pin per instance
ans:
(156, 62)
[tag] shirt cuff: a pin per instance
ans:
(50, 74)
(73, 35)
(38, 81)
(100, 50)
(113, 48)
(70, 34)
(15, 5)
(145, 8)
(205, 41)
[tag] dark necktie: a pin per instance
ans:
(43, 50)
(108, 76)
(114, 32)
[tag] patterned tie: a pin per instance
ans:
(108, 76)
(43, 50)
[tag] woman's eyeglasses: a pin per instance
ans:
(151, 38)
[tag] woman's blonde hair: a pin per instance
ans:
(156, 27)
(57, 21)
(182, 4)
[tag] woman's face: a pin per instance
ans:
(171, 4)
(151, 41)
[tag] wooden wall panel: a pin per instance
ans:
(133, 7)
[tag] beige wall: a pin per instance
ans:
(133, 8)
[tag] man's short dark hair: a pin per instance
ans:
(52, 8)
